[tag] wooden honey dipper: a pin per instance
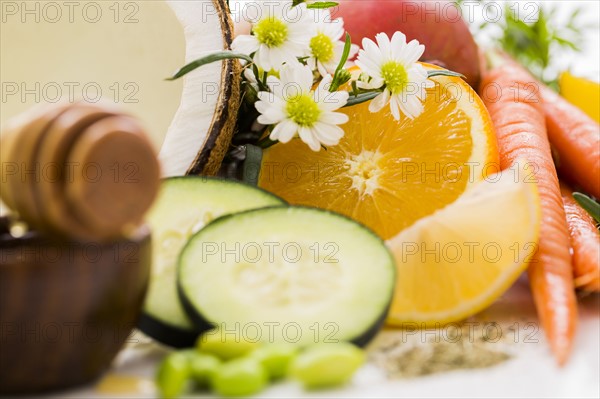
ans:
(79, 170)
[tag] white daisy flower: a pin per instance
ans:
(279, 33)
(394, 64)
(296, 109)
(326, 44)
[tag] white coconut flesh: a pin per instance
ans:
(121, 53)
(201, 130)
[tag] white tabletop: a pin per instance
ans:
(530, 372)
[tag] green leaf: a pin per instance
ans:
(444, 72)
(361, 98)
(251, 168)
(322, 4)
(214, 57)
(345, 55)
(591, 206)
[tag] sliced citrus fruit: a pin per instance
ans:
(581, 92)
(386, 173)
(457, 261)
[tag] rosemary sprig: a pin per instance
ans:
(536, 40)
(222, 55)
(315, 5)
(322, 5)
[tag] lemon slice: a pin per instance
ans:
(457, 261)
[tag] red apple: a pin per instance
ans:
(436, 24)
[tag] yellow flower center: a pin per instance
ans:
(395, 76)
(271, 31)
(321, 47)
(303, 110)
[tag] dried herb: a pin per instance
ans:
(470, 349)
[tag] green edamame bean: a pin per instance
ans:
(327, 365)
(173, 375)
(224, 347)
(275, 358)
(240, 377)
(203, 367)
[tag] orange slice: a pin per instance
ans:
(452, 264)
(385, 173)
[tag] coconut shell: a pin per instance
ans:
(218, 139)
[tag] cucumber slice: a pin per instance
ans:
(184, 206)
(287, 274)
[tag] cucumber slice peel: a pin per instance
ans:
(184, 206)
(338, 289)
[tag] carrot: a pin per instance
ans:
(585, 243)
(519, 120)
(576, 138)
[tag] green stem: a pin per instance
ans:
(252, 163)
(266, 143)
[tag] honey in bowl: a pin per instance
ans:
(74, 255)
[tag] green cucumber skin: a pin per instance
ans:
(204, 325)
(195, 317)
(169, 334)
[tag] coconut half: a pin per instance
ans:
(201, 131)
(121, 53)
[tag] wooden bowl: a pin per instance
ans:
(66, 308)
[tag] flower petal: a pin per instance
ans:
(369, 63)
(412, 53)
(328, 135)
(398, 45)
(370, 48)
(284, 131)
(383, 41)
(322, 68)
(333, 118)
(262, 58)
(304, 77)
(249, 75)
(287, 75)
(394, 107)
(308, 137)
(375, 83)
(331, 101)
(270, 107)
(380, 101)
(411, 106)
(245, 44)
